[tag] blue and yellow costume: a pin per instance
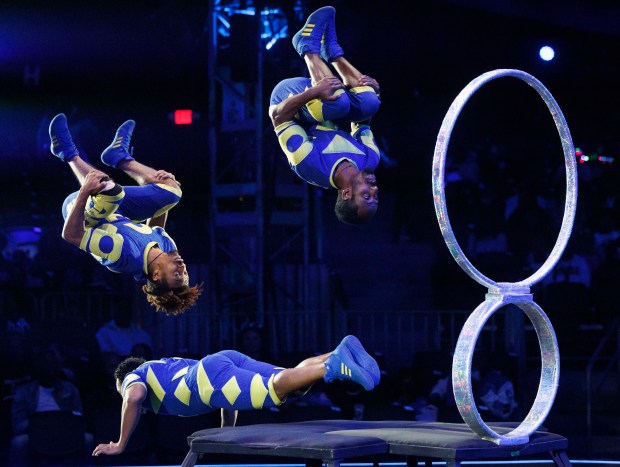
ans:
(115, 234)
(186, 387)
(313, 143)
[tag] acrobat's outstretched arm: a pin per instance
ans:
(130, 416)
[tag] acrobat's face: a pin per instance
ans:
(365, 194)
(119, 384)
(173, 271)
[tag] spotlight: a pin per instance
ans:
(546, 53)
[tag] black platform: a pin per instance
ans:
(332, 441)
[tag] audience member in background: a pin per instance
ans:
(17, 277)
(493, 389)
(120, 334)
(5, 265)
(529, 215)
(49, 390)
(142, 350)
(605, 232)
(573, 266)
(101, 392)
(605, 280)
(252, 342)
(16, 370)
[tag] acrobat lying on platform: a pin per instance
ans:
(230, 381)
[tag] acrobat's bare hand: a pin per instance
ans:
(326, 88)
(162, 175)
(94, 182)
(110, 449)
(366, 80)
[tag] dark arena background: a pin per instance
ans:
(283, 279)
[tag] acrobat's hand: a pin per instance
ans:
(366, 80)
(94, 182)
(162, 175)
(326, 88)
(110, 449)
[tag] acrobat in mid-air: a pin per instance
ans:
(308, 115)
(122, 227)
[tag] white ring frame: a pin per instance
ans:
(501, 294)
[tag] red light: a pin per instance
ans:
(183, 117)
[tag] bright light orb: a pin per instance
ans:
(546, 53)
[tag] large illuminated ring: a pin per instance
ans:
(501, 294)
(439, 160)
(550, 373)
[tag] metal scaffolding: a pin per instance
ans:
(261, 255)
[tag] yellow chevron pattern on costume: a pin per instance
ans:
(157, 391)
(369, 142)
(345, 370)
(166, 208)
(177, 191)
(258, 392)
(297, 154)
(272, 391)
(129, 379)
(341, 145)
(101, 207)
(205, 388)
(360, 89)
(103, 204)
(182, 392)
(231, 390)
(180, 373)
(308, 29)
(110, 228)
(326, 125)
(315, 106)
